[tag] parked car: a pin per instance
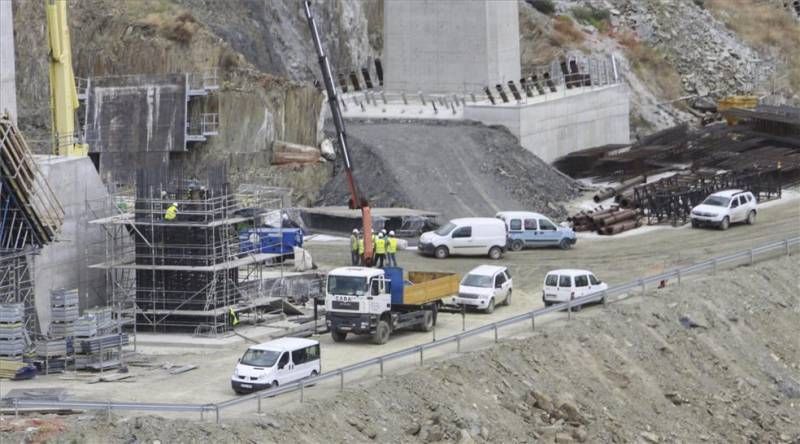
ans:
(724, 208)
(528, 229)
(564, 285)
(276, 362)
(467, 236)
(484, 287)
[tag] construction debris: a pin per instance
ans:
(286, 153)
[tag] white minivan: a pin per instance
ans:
(564, 285)
(276, 362)
(466, 236)
(484, 287)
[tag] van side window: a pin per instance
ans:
(546, 225)
(530, 224)
(594, 280)
(581, 281)
(565, 281)
(551, 280)
(299, 356)
(283, 360)
(515, 225)
(463, 232)
(312, 353)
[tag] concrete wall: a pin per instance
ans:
(8, 88)
(553, 128)
(450, 45)
(64, 263)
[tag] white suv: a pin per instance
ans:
(484, 286)
(724, 208)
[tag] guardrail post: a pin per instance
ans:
(259, 403)
(216, 413)
(302, 394)
(604, 298)
(421, 360)
(108, 411)
(341, 380)
(679, 276)
(463, 318)
(16, 407)
(380, 360)
(714, 264)
(495, 333)
(569, 309)
(751, 256)
(533, 321)
(786, 242)
(458, 344)
(644, 287)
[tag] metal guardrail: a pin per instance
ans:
(641, 283)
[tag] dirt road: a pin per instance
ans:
(631, 257)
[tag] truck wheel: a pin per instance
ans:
(725, 224)
(490, 308)
(565, 244)
(382, 332)
(441, 252)
(751, 217)
(517, 245)
(427, 321)
(338, 336)
(495, 253)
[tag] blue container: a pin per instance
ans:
(395, 277)
(268, 240)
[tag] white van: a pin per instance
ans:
(484, 286)
(276, 362)
(466, 236)
(564, 285)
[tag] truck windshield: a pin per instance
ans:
(717, 201)
(476, 280)
(347, 285)
(445, 229)
(260, 358)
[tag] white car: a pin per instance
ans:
(564, 285)
(724, 208)
(484, 287)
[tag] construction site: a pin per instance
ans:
(305, 220)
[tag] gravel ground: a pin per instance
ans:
(718, 356)
(459, 169)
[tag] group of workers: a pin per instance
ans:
(384, 249)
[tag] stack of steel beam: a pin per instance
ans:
(12, 343)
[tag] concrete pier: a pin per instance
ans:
(555, 125)
(450, 45)
(8, 87)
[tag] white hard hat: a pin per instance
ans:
(174, 204)
(383, 230)
(355, 230)
(391, 233)
(380, 235)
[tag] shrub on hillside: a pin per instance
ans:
(599, 18)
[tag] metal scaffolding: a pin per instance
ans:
(190, 273)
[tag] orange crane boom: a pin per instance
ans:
(357, 200)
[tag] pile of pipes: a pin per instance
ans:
(286, 153)
(622, 193)
(606, 221)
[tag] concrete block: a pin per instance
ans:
(555, 125)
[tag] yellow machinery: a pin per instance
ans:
(741, 102)
(63, 93)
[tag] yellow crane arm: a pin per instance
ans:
(63, 93)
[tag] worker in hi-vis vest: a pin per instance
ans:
(234, 317)
(354, 255)
(380, 250)
(391, 250)
(361, 250)
(172, 212)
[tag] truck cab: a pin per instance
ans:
(376, 302)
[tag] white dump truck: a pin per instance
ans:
(376, 302)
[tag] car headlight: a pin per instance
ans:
(236, 372)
